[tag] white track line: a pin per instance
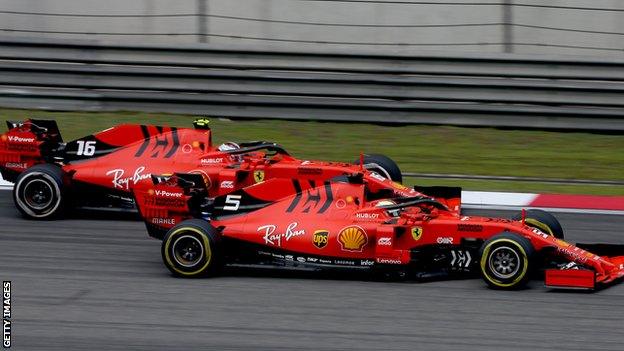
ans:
(4, 185)
(479, 200)
(549, 209)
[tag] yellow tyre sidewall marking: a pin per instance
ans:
(541, 226)
(207, 250)
(484, 262)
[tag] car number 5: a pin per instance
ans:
(232, 203)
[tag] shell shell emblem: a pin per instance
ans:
(352, 238)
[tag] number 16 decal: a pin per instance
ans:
(85, 148)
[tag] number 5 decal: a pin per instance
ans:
(232, 202)
(85, 148)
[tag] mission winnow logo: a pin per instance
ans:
(6, 314)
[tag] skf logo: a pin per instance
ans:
(227, 184)
(385, 241)
(352, 238)
(444, 240)
(416, 233)
(320, 238)
(259, 176)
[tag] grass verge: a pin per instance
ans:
(416, 148)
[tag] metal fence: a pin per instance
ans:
(477, 90)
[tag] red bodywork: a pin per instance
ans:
(125, 155)
(347, 222)
(121, 156)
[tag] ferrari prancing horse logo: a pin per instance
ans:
(258, 176)
(416, 233)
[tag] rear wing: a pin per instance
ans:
(44, 129)
(167, 200)
(26, 144)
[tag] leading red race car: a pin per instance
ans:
(352, 221)
(100, 170)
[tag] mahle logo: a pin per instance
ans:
(320, 238)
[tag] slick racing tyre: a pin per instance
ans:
(506, 261)
(382, 165)
(39, 192)
(543, 221)
(191, 249)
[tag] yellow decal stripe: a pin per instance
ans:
(541, 226)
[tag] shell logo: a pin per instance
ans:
(352, 238)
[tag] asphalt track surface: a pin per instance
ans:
(95, 284)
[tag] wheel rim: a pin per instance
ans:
(30, 201)
(38, 194)
(188, 251)
(504, 262)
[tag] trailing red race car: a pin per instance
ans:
(353, 222)
(100, 170)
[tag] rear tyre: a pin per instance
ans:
(542, 220)
(506, 261)
(192, 249)
(39, 192)
(383, 165)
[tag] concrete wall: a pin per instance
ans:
(382, 25)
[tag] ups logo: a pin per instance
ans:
(320, 238)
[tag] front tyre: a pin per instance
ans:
(382, 165)
(542, 220)
(191, 249)
(39, 192)
(506, 261)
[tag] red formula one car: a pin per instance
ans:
(100, 170)
(360, 221)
